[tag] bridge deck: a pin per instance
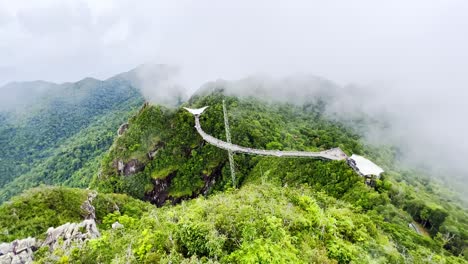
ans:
(331, 154)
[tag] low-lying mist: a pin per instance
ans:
(426, 127)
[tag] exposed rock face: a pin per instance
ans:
(160, 192)
(120, 166)
(18, 251)
(5, 248)
(122, 129)
(88, 207)
(210, 180)
(71, 232)
(132, 167)
(21, 251)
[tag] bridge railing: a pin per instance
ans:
(331, 154)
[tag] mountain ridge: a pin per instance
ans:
(284, 209)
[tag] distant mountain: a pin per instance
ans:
(17, 95)
(54, 133)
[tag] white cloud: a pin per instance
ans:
(361, 41)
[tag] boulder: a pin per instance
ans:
(88, 207)
(7, 258)
(23, 257)
(21, 251)
(122, 129)
(18, 251)
(5, 248)
(120, 166)
(132, 167)
(117, 225)
(71, 232)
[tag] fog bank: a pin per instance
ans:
(427, 128)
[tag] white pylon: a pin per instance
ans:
(228, 139)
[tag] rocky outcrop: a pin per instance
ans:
(18, 251)
(129, 168)
(70, 233)
(132, 167)
(120, 166)
(211, 179)
(122, 129)
(160, 192)
(88, 207)
(21, 251)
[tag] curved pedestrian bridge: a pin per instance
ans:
(331, 154)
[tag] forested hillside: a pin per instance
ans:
(59, 132)
(172, 192)
(163, 160)
(161, 147)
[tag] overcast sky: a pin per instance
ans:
(413, 53)
(345, 41)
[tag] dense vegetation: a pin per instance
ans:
(183, 158)
(60, 138)
(188, 164)
(283, 210)
(34, 211)
(259, 223)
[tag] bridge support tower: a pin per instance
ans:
(228, 139)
